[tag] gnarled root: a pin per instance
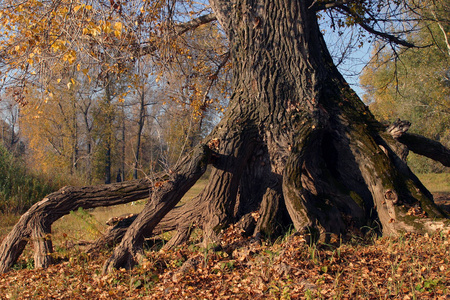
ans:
(163, 199)
(36, 223)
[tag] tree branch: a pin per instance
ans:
(323, 5)
(361, 21)
(213, 77)
(389, 37)
(426, 147)
(194, 23)
(419, 144)
(179, 30)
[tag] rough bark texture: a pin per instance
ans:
(310, 146)
(296, 146)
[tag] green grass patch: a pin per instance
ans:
(436, 182)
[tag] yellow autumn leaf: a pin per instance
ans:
(107, 28)
(70, 56)
(118, 29)
(58, 45)
(77, 8)
(118, 26)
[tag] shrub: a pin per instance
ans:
(20, 187)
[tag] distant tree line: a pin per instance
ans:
(110, 129)
(414, 83)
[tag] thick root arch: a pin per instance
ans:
(35, 224)
(337, 180)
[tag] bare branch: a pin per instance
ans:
(213, 77)
(180, 29)
(323, 5)
(194, 23)
(361, 21)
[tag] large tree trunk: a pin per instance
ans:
(301, 136)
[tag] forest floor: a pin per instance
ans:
(410, 266)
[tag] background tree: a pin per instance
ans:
(413, 84)
(51, 130)
(10, 111)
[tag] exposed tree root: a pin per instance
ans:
(426, 147)
(36, 223)
(163, 199)
(326, 159)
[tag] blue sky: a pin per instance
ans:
(355, 57)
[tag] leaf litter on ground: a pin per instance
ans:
(410, 266)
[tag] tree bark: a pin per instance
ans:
(141, 123)
(417, 143)
(295, 137)
(426, 147)
(320, 137)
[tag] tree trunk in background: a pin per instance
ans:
(121, 172)
(85, 110)
(141, 123)
(108, 133)
(108, 164)
(75, 137)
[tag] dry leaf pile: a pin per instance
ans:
(407, 267)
